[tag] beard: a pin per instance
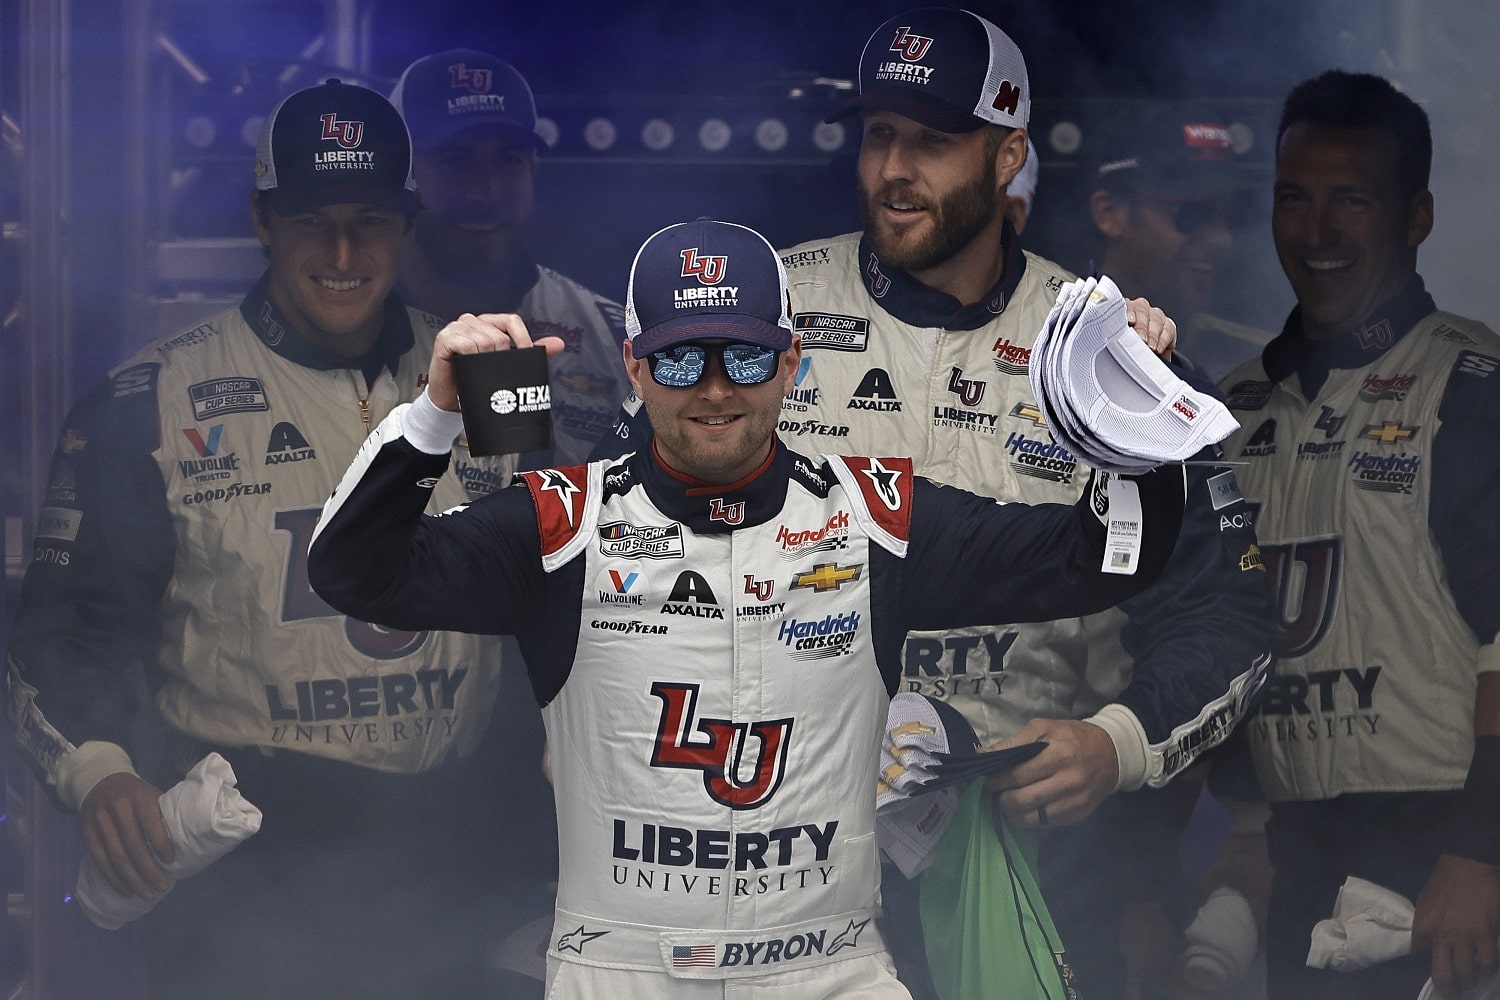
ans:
(722, 463)
(956, 220)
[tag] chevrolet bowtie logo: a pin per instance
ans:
(826, 576)
(1029, 411)
(1388, 433)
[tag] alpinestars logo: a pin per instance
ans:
(885, 483)
(720, 748)
(347, 134)
(709, 270)
(574, 940)
(566, 490)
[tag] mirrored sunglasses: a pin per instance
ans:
(682, 365)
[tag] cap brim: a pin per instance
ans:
(711, 326)
(934, 114)
(288, 202)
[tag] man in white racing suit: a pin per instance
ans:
(714, 687)
(917, 335)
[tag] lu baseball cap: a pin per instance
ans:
(449, 92)
(336, 142)
(949, 69)
(1172, 153)
(707, 279)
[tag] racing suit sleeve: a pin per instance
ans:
(974, 561)
(89, 607)
(1464, 513)
(1464, 518)
(1180, 663)
(631, 430)
(1200, 637)
(377, 557)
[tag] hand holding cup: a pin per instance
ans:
(489, 368)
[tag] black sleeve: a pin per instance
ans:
(631, 431)
(973, 561)
(103, 554)
(377, 557)
(1464, 512)
(1201, 636)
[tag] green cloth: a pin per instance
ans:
(989, 935)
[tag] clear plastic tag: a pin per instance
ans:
(1122, 545)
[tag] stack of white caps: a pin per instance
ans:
(1106, 397)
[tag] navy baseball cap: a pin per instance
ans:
(455, 90)
(334, 143)
(949, 69)
(707, 279)
(1171, 152)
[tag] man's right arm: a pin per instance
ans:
(88, 614)
(377, 557)
(89, 606)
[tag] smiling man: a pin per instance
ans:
(1368, 445)
(183, 493)
(713, 694)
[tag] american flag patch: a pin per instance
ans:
(692, 956)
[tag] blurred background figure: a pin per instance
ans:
(474, 130)
(1168, 203)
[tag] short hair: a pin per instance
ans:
(1339, 99)
(994, 135)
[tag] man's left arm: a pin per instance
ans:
(1199, 641)
(1200, 638)
(975, 561)
(1458, 911)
